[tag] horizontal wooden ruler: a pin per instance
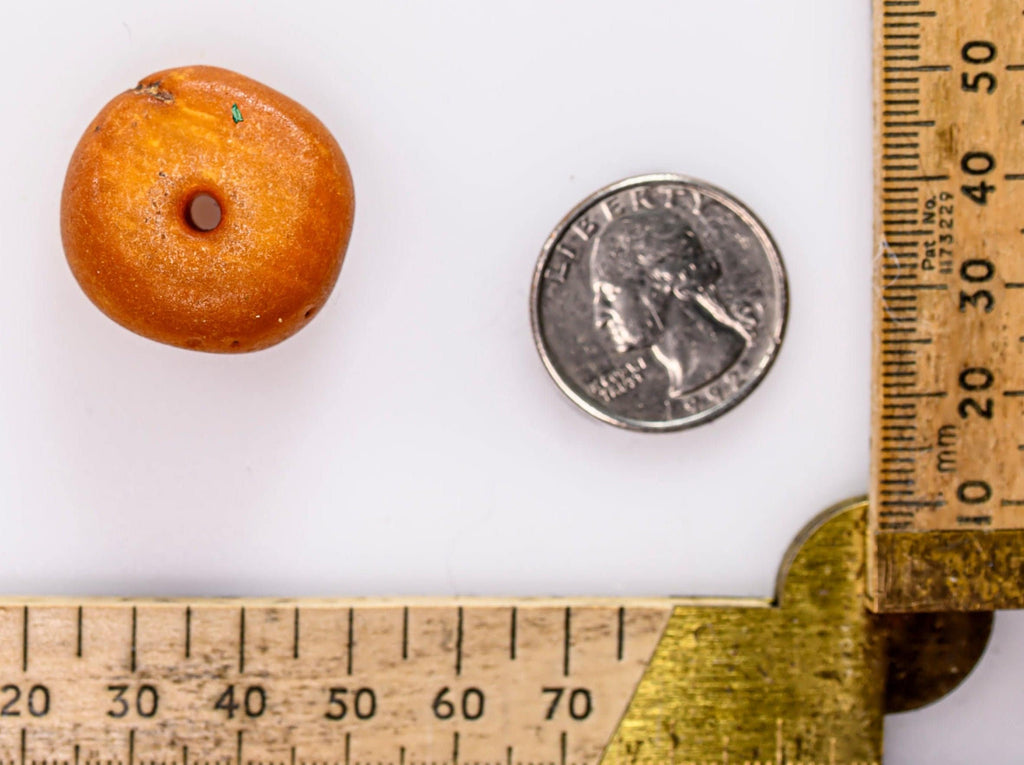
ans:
(563, 682)
(947, 495)
(227, 683)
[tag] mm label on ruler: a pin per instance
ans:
(451, 682)
(947, 493)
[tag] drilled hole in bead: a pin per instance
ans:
(203, 212)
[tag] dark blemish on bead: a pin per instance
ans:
(153, 89)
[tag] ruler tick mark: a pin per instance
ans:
(78, 634)
(295, 640)
(512, 634)
(135, 631)
(348, 748)
(238, 748)
(188, 632)
(25, 639)
(131, 747)
(350, 640)
(458, 641)
(621, 634)
(241, 640)
(914, 503)
(405, 633)
(567, 645)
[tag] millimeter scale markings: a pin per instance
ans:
(456, 681)
(428, 681)
(103, 682)
(948, 306)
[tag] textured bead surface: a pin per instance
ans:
(285, 196)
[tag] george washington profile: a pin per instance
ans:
(654, 287)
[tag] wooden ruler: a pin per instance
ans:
(452, 682)
(297, 683)
(947, 492)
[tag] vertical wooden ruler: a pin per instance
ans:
(947, 499)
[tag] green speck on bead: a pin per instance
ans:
(236, 113)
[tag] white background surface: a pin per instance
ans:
(409, 441)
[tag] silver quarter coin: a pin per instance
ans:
(659, 303)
